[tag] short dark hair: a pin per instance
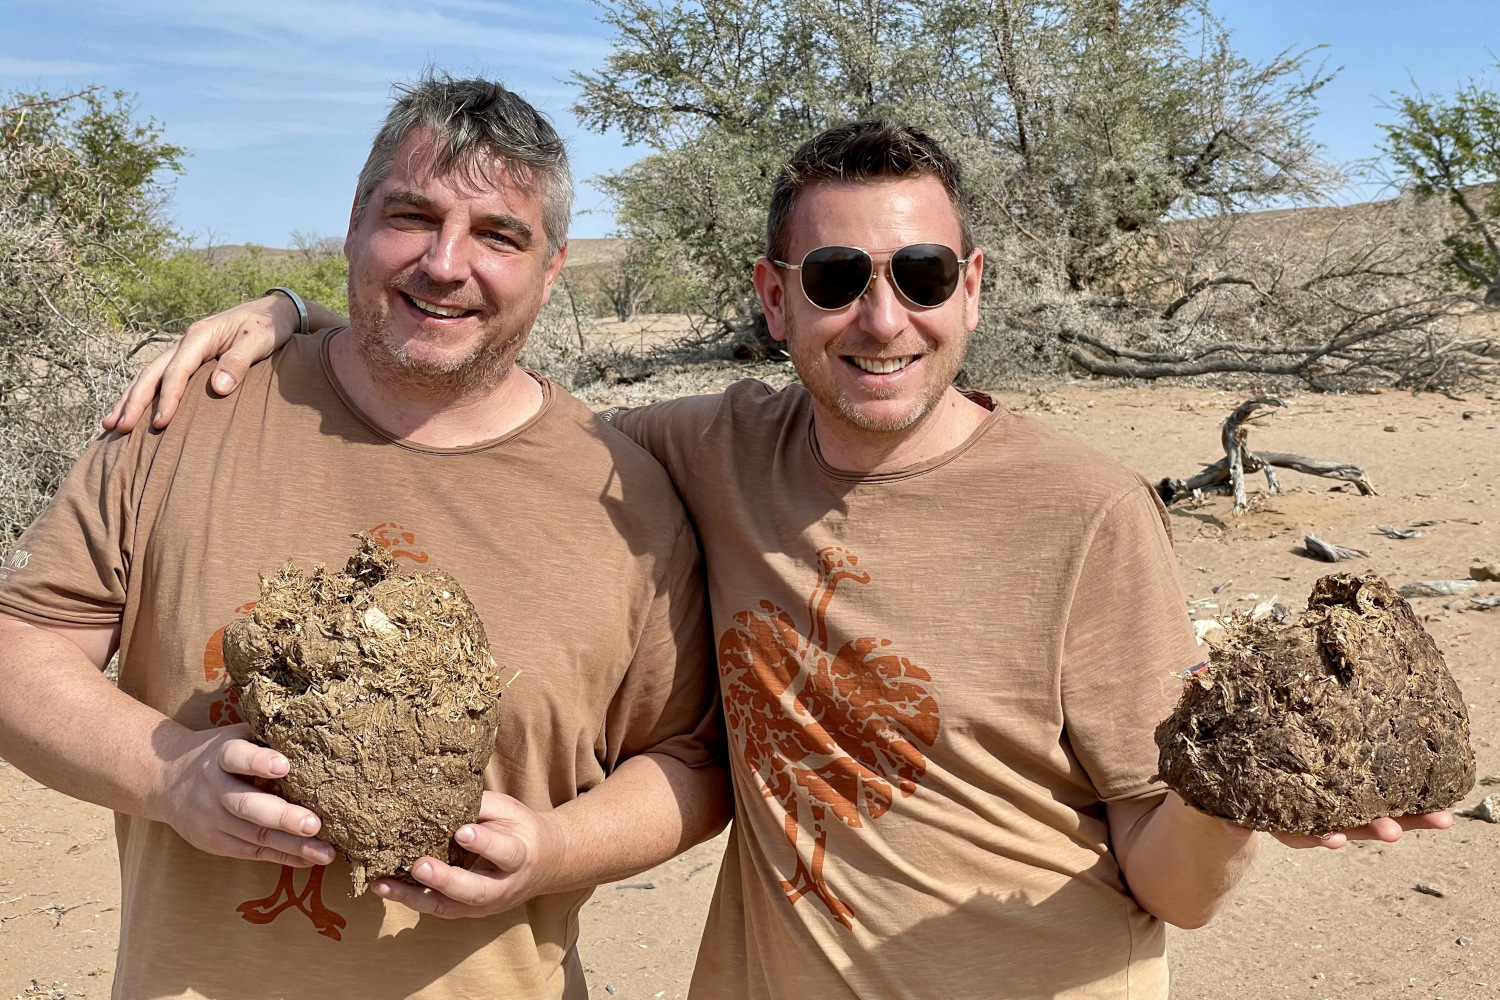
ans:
(863, 151)
(473, 121)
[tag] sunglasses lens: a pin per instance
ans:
(833, 277)
(926, 273)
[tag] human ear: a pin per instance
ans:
(771, 288)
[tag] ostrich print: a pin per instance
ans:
(828, 736)
(225, 710)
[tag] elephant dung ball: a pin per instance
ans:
(1343, 715)
(378, 687)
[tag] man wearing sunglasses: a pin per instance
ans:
(945, 633)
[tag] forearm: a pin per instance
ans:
(321, 318)
(652, 808)
(1181, 864)
(64, 724)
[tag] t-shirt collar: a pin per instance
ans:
(549, 393)
(998, 414)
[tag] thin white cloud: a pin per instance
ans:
(271, 61)
(210, 136)
(11, 66)
(388, 26)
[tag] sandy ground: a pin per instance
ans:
(1308, 924)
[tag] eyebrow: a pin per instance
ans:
(501, 221)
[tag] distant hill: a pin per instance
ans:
(587, 254)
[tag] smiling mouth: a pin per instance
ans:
(433, 309)
(881, 366)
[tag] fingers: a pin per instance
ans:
(259, 809)
(272, 812)
(240, 756)
(1332, 841)
(228, 846)
(424, 899)
(1440, 820)
(201, 342)
(136, 400)
(1387, 829)
(448, 892)
(237, 360)
(270, 841)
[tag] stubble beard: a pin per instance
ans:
(820, 383)
(391, 362)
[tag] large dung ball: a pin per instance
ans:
(1343, 716)
(378, 687)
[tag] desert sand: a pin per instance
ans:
(1303, 924)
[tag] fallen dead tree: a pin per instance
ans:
(1238, 459)
(1350, 297)
(1367, 346)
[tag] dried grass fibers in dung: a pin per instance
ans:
(1342, 716)
(378, 687)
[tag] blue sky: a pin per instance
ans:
(277, 99)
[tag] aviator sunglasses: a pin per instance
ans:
(926, 274)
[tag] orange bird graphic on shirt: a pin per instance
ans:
(827, 735)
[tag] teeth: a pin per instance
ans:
(434, 310)
(882, 366)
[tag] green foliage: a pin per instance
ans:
(1450, 149)
(1082, 124)
(90, 166)
(171, 291)
(82, 184)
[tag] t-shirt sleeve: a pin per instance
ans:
(71, 565)
(668, 702)
(670, 430)
(1127, 638)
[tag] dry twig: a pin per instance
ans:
(1238, 460)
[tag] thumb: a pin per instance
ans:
(231, 369)
(501, 848)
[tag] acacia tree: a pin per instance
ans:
(1450, 149)
(81, 192)
(1083, 124)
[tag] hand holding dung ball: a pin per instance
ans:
(1347, 716)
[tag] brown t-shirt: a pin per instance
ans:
(933, 680)
(569, 540)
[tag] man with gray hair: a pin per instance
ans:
(414, 425)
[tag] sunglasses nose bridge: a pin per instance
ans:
(880, 271)
(880, 268)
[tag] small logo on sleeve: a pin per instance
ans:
(11, 561)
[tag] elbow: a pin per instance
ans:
(1190, 920)
(717, 826)
(1190, 916)
(713, 807)
(722, 809)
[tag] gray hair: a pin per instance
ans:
(474, 122)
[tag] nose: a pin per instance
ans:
(447, 261)
(882, 313)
